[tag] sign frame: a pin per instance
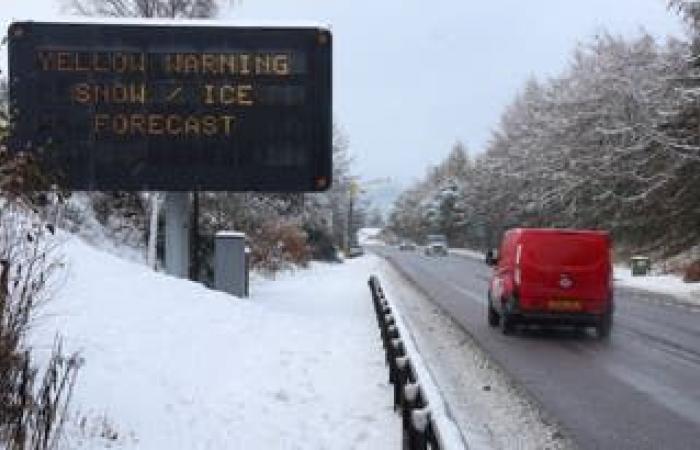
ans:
(274, 134)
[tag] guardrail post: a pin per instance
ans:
(434, 439)
(377, 302)
(401, 380)
(394, 350)
(386, 323)
(378, 309)
(420, 419)
(391, 334)
(383, 310)
(410, 395)
(419, 430)
(411, 373)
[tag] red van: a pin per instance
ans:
(552, 276)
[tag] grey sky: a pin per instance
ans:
(411, 77)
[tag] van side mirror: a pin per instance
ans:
(491, 258)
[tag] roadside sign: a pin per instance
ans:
(174, 108)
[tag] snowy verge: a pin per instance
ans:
(170, 364)
(671, 285)
(488, 407)
(468, 253)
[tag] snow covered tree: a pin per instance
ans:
(436, 204)
(585, 149)
(689, 10)
(610, 143)
(375, 218)
(335, 204)
(174, 9)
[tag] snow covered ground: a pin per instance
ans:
(170, 364)
(663, 284)
(369, 236)
(467, 252)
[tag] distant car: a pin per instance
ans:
(552, 276)
(436, 245)
(355, 251)
(407, 245)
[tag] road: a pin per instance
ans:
(639, 390)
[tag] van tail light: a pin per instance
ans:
(517, 275)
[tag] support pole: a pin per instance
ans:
(195, 265)
(177, 234)
(349, 242)
(153, 230)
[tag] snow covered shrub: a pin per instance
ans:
(692, 272)
(321, 245)
(115, 222)
(33, 401)
(278, 246)
(92, 430)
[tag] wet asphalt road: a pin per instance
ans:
(639, 390)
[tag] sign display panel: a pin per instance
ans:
(174, 108)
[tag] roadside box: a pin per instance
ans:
(640, 265)
(231, 263)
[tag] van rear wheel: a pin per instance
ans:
(494, 318)
(604, 326)
(507, 323)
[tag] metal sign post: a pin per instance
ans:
(177, 234)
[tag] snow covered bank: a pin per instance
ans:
(170, 364)
(467, 253)
(662, 284)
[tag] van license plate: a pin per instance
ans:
(564, 305)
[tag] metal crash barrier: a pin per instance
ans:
(420, 431)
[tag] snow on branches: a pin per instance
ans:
(611, 143)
